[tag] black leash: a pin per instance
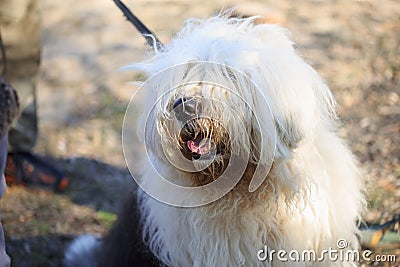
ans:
(384, 226)
(150, 37)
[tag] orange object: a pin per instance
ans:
(25, 168)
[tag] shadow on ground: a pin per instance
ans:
(39, 223)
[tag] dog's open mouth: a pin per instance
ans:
(196, 143)
(201, 146)
(206, 143)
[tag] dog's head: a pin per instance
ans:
(228, 87)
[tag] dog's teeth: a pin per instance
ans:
(201, 147)
(192, 146)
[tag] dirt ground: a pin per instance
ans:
(82, 97)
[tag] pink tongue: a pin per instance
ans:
(193, 146)
(200, 146)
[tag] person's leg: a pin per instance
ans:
(8, 112)
(20, 27)
(4, 259)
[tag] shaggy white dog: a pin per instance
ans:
(230, 100)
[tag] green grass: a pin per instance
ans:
(107, 218)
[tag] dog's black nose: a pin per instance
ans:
(185, 108)
(179, 101)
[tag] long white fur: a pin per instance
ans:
(312, 196)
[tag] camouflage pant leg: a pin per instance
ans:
(4, 259)
(20, 27)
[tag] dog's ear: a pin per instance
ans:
(289, 134)
(274, 137)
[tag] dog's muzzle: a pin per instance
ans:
(198, 134)
(186, 109)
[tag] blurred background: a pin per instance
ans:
(82, 97)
